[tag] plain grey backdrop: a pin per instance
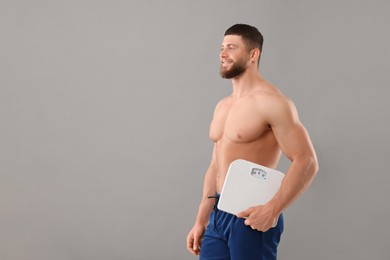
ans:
(105, 109)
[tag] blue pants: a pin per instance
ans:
(228, 238)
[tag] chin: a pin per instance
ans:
(225, 73)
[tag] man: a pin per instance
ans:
(256, 123)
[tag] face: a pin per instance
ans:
(234, 57)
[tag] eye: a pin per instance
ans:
(231, 47)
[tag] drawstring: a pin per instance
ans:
(215, 209)
(216, 201)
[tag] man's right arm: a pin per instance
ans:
(209, 189)
(194, 238)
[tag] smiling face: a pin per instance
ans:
(234, 57)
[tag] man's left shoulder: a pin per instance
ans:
(272, 98)
(276, 108)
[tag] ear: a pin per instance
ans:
(255, 55)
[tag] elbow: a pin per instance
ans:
(311, 171)
(310, 166)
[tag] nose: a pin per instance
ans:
(222, 54)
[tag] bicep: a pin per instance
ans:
(289, 132)
(210, 176)
(294, 141)
(213, 162)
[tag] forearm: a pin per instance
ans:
(297, 179)
(206, 204)
(204, 211)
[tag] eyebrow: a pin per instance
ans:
(230, 45)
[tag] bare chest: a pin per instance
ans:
(239, 122)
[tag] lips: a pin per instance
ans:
(226, 63)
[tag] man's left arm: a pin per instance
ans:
(295, 143)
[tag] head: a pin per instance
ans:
(248, 43)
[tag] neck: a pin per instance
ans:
(246, 82)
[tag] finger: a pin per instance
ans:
(197, 251)
(195, 246)
(190, 242)
(264, 229)
(245, 213)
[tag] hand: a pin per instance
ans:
(260, 218)
(194, 239)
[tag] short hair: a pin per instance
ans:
(250, 34)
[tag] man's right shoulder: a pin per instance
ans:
(224, 100)
(221, 103)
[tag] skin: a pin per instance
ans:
(257, 123)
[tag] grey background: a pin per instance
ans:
(105, 108)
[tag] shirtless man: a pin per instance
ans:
(256, 123)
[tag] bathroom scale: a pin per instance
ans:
(248, 184)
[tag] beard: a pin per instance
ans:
(236, 69)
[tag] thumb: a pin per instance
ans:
(195, 245)
(245, 213)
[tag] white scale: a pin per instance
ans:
(248, 184)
